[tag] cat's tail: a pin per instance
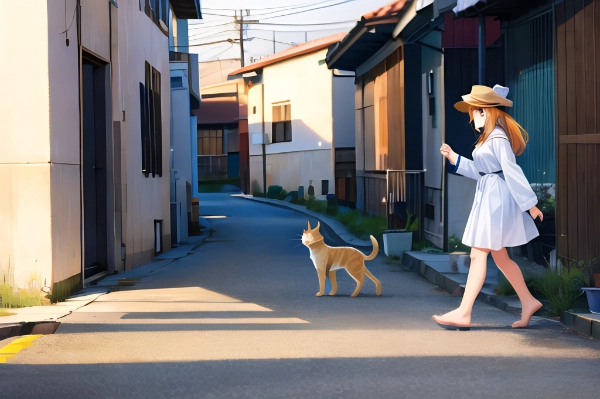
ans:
(375, 249)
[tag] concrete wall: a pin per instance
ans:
(461, 192)
(433, 133)
(343, 112)
(294, 169)
(308, 88)
(25, 221)
(180, 142)
(40, 215)
(145, 198)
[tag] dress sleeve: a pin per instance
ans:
(467, 168)
(513, 174)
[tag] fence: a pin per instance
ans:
(404, 199)
(212, 167)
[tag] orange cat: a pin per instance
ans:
(328, 259)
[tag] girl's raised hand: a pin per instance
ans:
(535, 212)
(446, 151)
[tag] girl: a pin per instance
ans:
(498, 218)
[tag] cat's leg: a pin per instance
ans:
(322, 275)
(333, 281)
(375, 280)
(359, 277)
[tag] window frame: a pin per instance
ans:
(151, 122)
(283, 122)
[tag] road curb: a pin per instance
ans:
(583, 323)
(9, 330)
(454, 287)
(340, 241)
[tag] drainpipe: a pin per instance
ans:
(482, 49)
(264, 155)
(80, 78)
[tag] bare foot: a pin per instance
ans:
(320, 293)
(529, 308)
(454, 318)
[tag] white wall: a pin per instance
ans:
(25, 222)
(308, 88)
(40, 217)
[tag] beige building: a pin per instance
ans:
(217, 71)
(301, 121)
(85, 156)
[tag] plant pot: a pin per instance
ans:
(593, 297)
(396, 242)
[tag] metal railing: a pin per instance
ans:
(212, 166)
(404, 199)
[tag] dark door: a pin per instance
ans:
(94, 168)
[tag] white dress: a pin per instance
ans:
(498, 217)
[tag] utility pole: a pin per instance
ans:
(241, 22)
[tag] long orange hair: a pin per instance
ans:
(517, 136)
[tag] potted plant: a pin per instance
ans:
(590, 271)
(398, 241)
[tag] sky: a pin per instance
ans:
(296, 21)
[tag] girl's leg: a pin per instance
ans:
(475, 279)
(513, 274)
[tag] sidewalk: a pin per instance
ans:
(32, 319)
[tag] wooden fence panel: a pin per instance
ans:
(578, 128)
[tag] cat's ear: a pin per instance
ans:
(318, 226)
(309, 224)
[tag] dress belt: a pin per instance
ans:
(499, 173)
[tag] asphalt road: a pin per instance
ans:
(239, 318)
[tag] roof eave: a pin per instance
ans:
(187, 9)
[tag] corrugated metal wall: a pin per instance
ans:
(530, 77)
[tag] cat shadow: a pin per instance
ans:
(370, 296)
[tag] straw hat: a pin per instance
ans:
(484, 97)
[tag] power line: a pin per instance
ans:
(281, 24)
(270, 40)
(260, 15)
(212, 34)
(312, 9)
(292, 31)
(265, 8)
(293, 13)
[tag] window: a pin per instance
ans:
(210, 141)
(282, 123)
(158, 11)
(151, 123)
(176, 82)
